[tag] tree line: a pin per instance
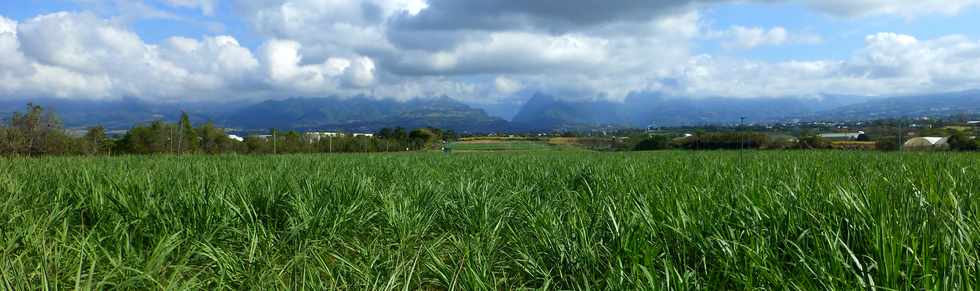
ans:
(385, 140)
(958, 141)
(40, 132)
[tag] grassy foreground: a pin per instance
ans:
(551, 220)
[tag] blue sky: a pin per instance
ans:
(842, 35)
(190, 22)
(485, 50)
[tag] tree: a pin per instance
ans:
(133, 142)
(159, 137)
(812, 141)
(960, 142)
(450, 135)
(213, 139)
(934, 131)
(399, 134)
(27, 129)
(187, 137)
(257, 145)
(386, 133)
(422, 137)
(293, 142)
(888, 143)
(5, 140)
(57, 142)
(36, 132)
(725, 140)
(653, 143)
(95, 141)
(437, 132)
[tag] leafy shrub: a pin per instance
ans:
(888, 143)
(653, 143)
(960, 142)
(725, 141)
(812, 142)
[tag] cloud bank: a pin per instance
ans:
(479, 50)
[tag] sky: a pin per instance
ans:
(484, 51)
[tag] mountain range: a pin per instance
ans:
(116, 114)
(540, 112)
(647, 109)
(363, 114)
(934, 105)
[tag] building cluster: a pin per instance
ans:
(316, 136)
(909, 141)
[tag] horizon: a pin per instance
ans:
(185, 51)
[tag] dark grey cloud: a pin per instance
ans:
(429, 40)
(447, 23)
(552, 15)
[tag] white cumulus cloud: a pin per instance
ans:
(506, 85)
(83, 56)
(467, 49)
(283, 60)
(888, 64)
(741, 37)
(206, 6)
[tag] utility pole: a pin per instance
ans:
(273, 142)
(741, 127)
(180, 139)
(901, 131)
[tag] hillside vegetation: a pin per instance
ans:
(554, 220)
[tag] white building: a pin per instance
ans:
(235, 137)
(325, 134)
(842, 136)
(927, 143)
(317, 136)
